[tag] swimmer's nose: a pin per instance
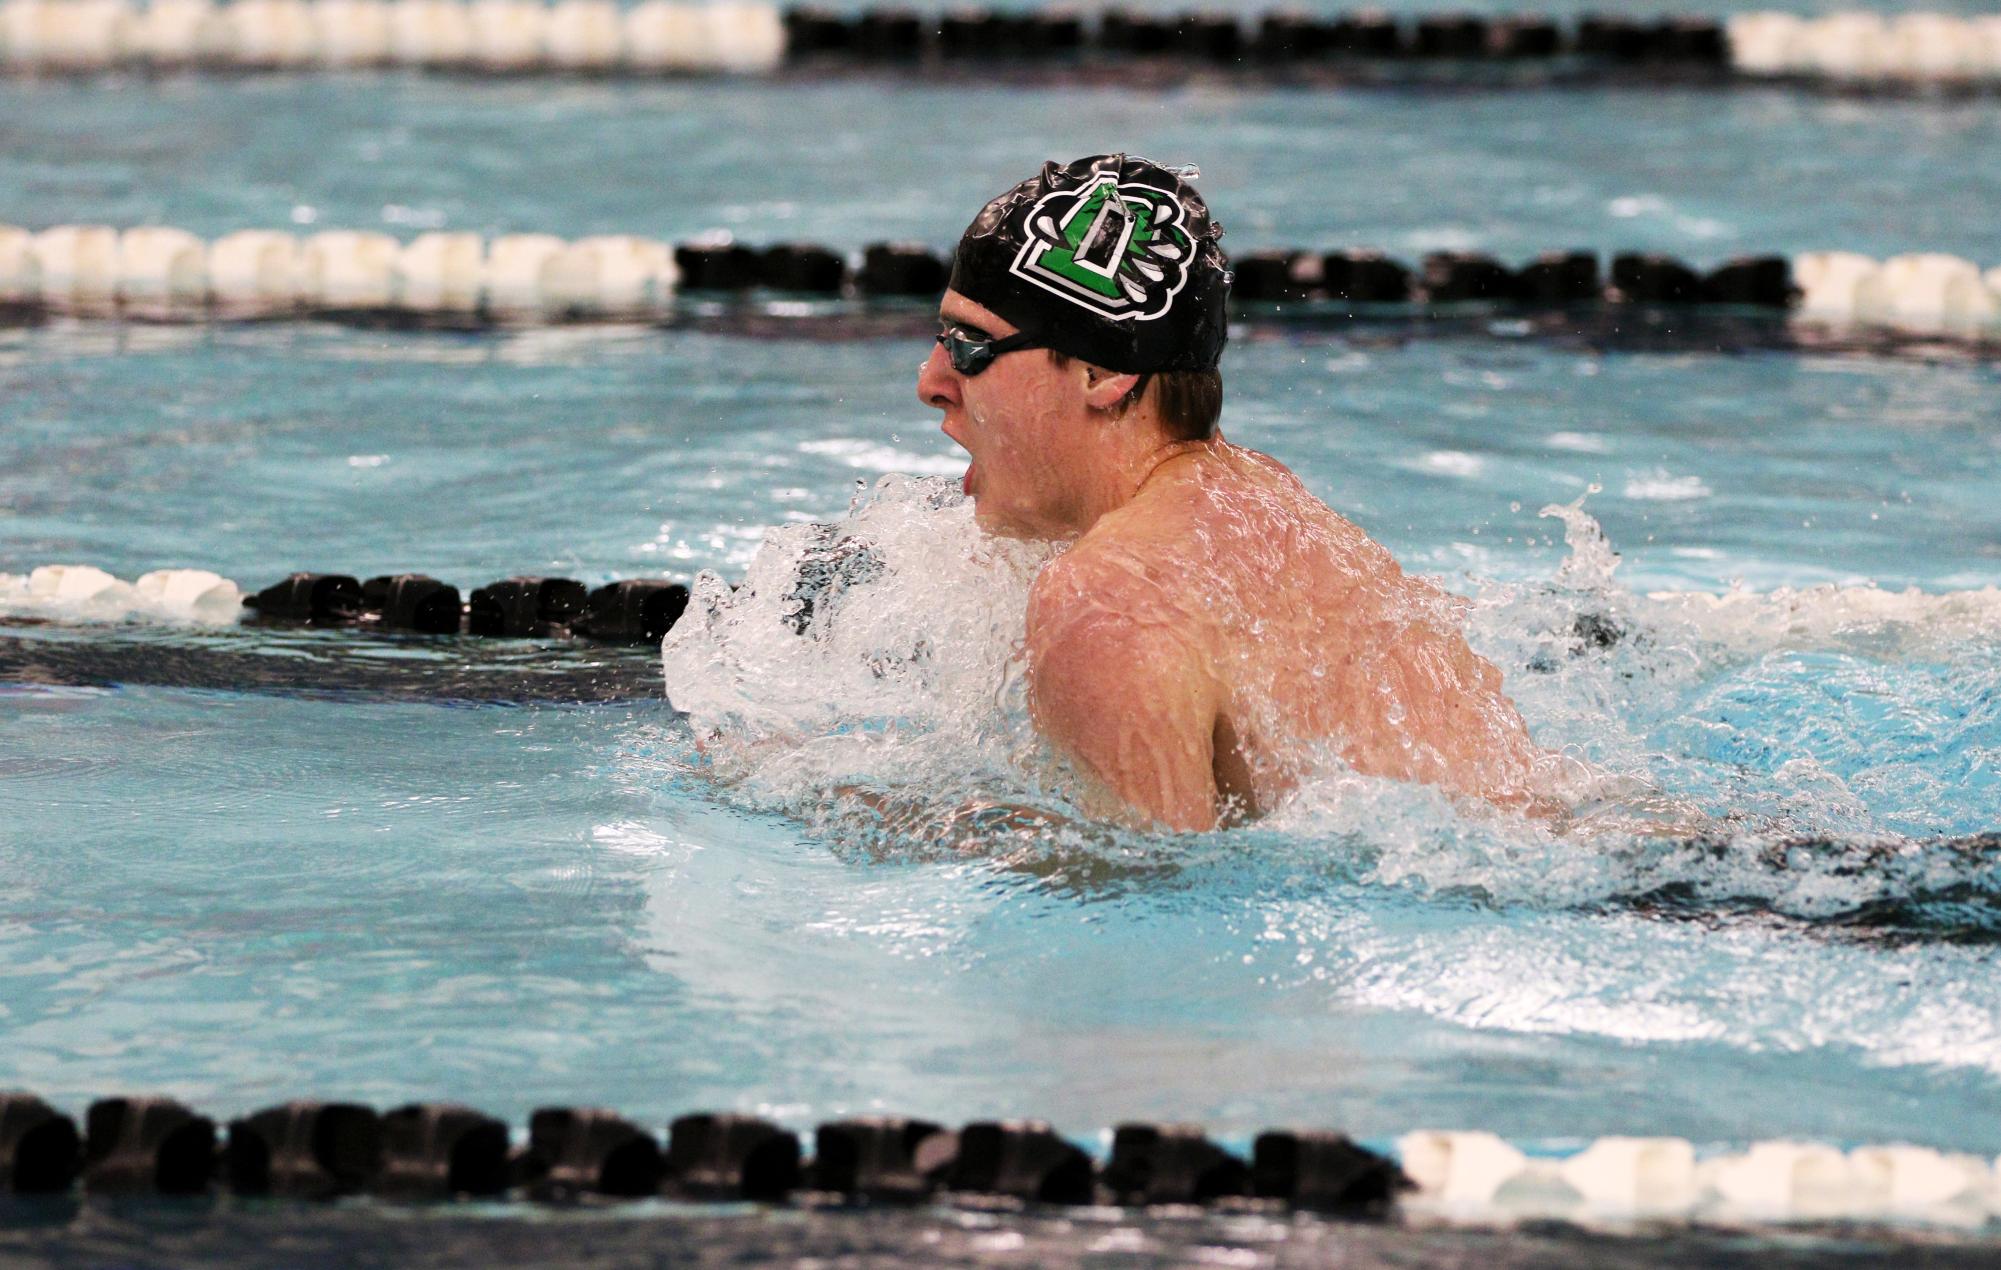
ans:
(937, 382)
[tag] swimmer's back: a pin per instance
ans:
(1306, 633)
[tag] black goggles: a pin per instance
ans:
(972, 355)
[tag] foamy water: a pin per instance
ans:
(1793, 751)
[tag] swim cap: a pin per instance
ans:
(1112, 259)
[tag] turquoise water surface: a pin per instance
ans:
(240, 896)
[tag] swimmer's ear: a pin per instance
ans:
(1103, 389)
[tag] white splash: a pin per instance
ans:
(875, 655)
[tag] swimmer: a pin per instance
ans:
(1212, 629)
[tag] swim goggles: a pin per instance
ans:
(970, 356)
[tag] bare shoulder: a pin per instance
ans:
(1258, 460)
(1222, 519)
(1122, 681)
(1122, 589)
(1103, 584)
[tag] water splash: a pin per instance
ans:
(1793, 753)
(867, 669)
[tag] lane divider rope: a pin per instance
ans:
(501, 36)
(628, 611)
(440, 1151)
(165, 274)
(746, 37)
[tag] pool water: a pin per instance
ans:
(1700, 172)
(238, 896)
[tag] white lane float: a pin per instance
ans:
(517, 269)
(1910, 1181)
(1849, 46)
(1459, 1170)
(86, 593)
(79, 267)
(1927, 292)
(79, 587)
(71, 35)
(737, 36)
(254, 272)
(20, 268)
(1987, 43)
(271, 34)
(170, 33)
(20, 34)
(28, 35)
(1864, 48)
(351, 32)
(586, 35)
(430, 33)
(1829, 282)
(1781, 1181)
(1635, 1176)
(346, 269)
(441, 272)
(162, 271)
(1934, 47)
(509, 35)
(609, 276)
(1479, 1179)
(190, 594)
(661, 35)
(1766, 43)
(747, 39)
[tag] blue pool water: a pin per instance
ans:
(1700, 172)
(236, 896)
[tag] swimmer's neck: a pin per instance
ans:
(1124, 476)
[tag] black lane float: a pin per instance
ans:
(533, 640)
(309, 1150)
(1272, 43)
(632, 611)
(1551, 279)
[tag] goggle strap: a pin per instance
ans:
(1009, 343)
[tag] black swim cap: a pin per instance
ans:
(1112, 259)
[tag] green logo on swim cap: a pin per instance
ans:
(1117, 250)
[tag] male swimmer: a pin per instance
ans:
(1213, 630)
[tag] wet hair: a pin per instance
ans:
(1189, 402)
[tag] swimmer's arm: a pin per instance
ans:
(1131, 702)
